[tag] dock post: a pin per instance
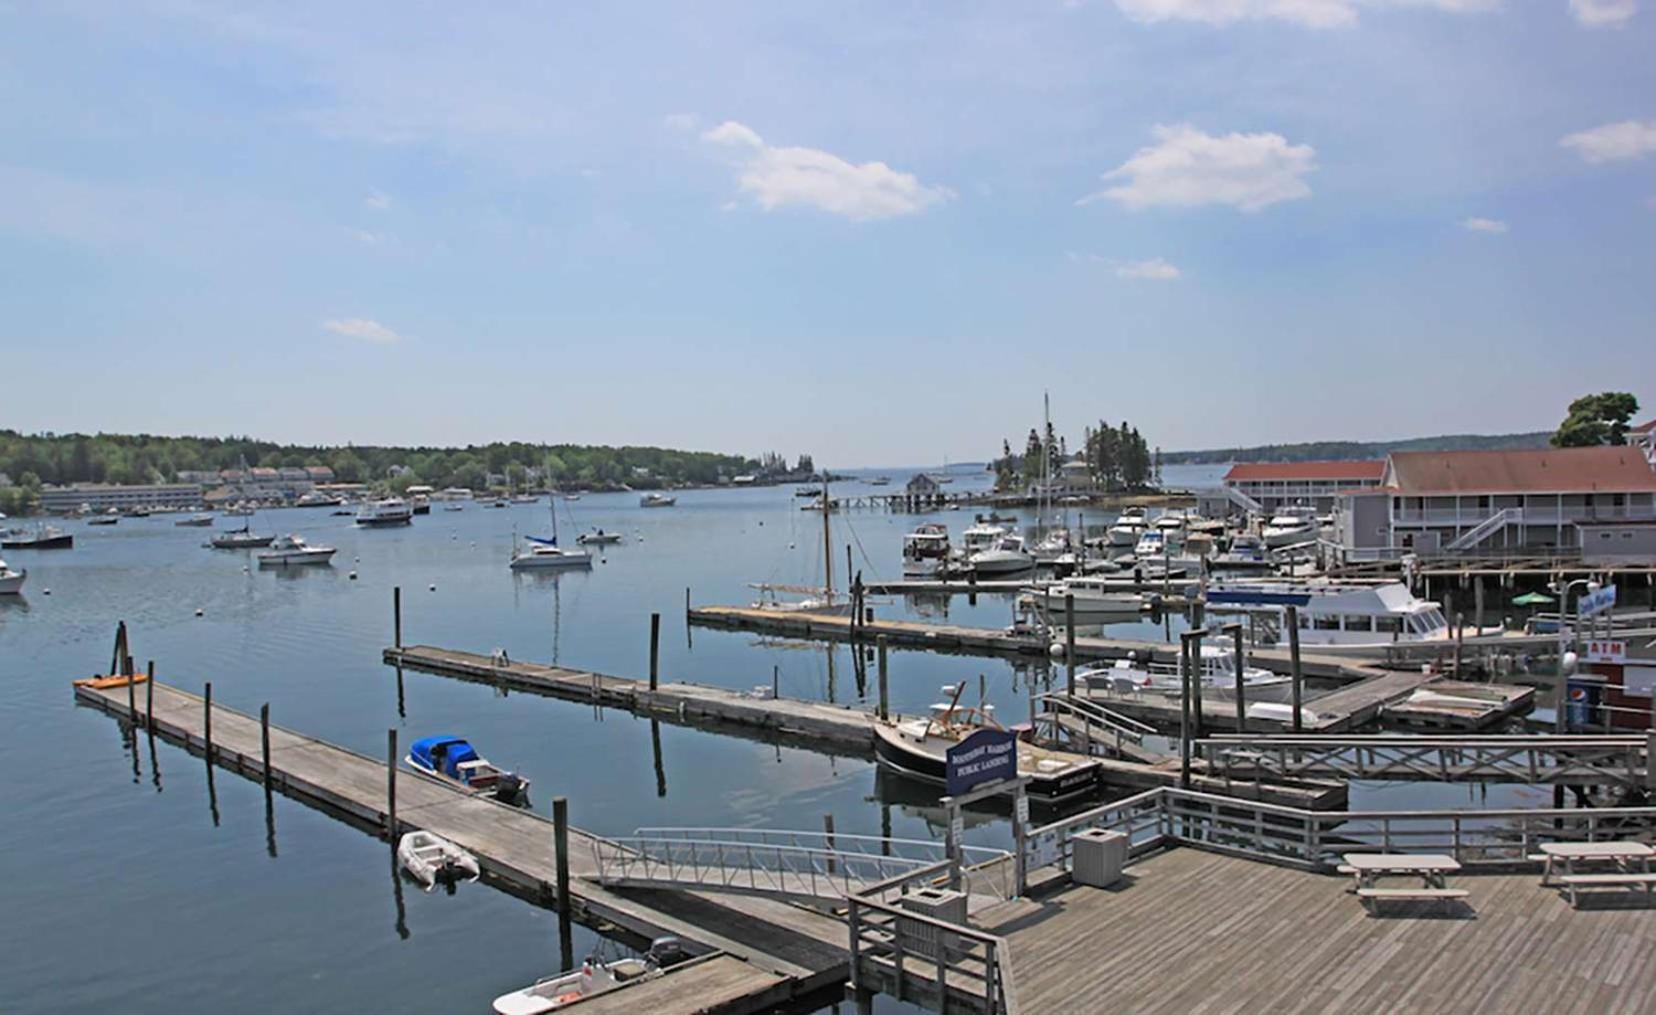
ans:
(1478, 603)
(132, 700)
(655, 647)
(1294, 665)
(884, 686)
(1184, 712)
(1196, 683)
(1069, 639)
(660, 764)
(391, 785)
(687, 604)
(560, 840)
(776, 682)
(207, 726)
(828, 840)
(264, 747)
(149, 697)
(1235, 631)
(396, 615)
(1460, 637)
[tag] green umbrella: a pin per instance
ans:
(1533, 599)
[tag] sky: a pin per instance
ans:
(875, 232)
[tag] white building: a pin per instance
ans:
(103, 496)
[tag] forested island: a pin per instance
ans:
(1316, 451)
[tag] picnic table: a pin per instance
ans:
(1431, 868)
(1628, 865)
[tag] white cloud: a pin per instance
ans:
(1604, 13)
(1626, 140)
(377, 200)
(777, 177)
(1155, 270)
(1482, 225)
(1306, 13)
(363, 328)
(1187, 167)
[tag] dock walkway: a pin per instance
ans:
(514, 847)
(835, 728)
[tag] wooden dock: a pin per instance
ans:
(834, 728)
(798, 950)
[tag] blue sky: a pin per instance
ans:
(873, 231)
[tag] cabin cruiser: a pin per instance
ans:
(11, 582)
(919, 748)
(539, 553)
(1129, 525)
(315, 498)
(1152, 545)
(292, 549)
(1217, 671)
(594, 977)
(453, 493)
(598, 537)
(1092, 595)
(979, 537)
(429, 858)
(200, 521)
(44, 537)
(1335, 613)
(656, 500)
(1006, 556)
(1171, 520)
(453, 760)
(1054, 547)
(109, 517)
(419, 504)
(1290, 527)
(1245, 553)
(926, 550)
(382, 513)
(239, 539)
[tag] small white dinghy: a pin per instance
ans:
(594, 977)
(429, 858)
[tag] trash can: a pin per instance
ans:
(1097, 856)
(939, 904)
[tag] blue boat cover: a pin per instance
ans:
(543, 542)
(454, 750)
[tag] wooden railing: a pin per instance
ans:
(919, 958)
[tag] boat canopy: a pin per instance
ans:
(544, 542)
(450, 750)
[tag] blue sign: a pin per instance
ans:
(1596, 602)
(984, 756)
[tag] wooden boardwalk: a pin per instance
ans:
(835, 728)
(1191, 930)
(717, 984)
(514, 847)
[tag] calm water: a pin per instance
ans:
(126, 888)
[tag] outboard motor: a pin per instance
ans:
(667, 951)
(510, 789)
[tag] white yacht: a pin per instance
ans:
(1128, 527)
(1246, 553)
(656, 500)
(980, 537)
(1053, 547)
(1217, 671)
(1007, 556)
(11, 582)
(315, 498)
(292, 549)
(537, 554)
(1333, 613)
(1093, 594)
(1152, 544)
(1171, 520)
(381, 513)
(925, 550)
(1290, 527)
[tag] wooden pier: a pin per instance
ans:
(794, 950)
(835, 728)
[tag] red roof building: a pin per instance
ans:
(1265, 487)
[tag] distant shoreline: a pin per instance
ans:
(1332, 450)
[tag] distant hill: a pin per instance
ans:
(1323, 450)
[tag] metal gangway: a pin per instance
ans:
(1605, 760)
(1091, 727)
(795, 864)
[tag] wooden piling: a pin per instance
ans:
(207, 724)
(884, 687)
(776, 682)
(1184, 712)
(396, 615)
(132, 698)
(391, 785)
(149, 697)
(655, 647)
(1069, 639)
(1235, 631)
(1460, 639)
(1298, 678)
(828, 839)
(1196, 683)
(264, 747)
(560, 841)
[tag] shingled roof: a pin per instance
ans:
(1550, 470)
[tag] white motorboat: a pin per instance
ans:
(455, 761)
(598, 537)
(1152, 545)
(1128, 527)
(238, 510)
(980, 537)
(594, 977)
(1290, 527)
(200, 521)
(880, 481)
(656, 500)
(11, 582)
(430, 858)
(454, 493)
(1171, 520)
(1217, 672)
(1336, 613)
(42, 537)
(1245, 553)
(926, 549)
(1005, 557)
(1091, 595)
(289, 550)
(537, 554)
(315, 498)
(382, 513)
(526, 498)
(1053, 547)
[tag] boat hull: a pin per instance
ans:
(11, 582)
(549, 562)
(300, 559)
(891, 751)
(65, 541)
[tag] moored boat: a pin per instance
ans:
(292, 550)
(1217, 673)
(1128, 527)
(1335, 613)
(429, 858)
(594, 977)
(453, 760)
(386, 512)
(656, 500)
(1006, 556)
(11, 582)
(919, 748)
(43, 537)
(200, 521)
(1290, 527)
(598, 537)
(926, 549)
(243, 538)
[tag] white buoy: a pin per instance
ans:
(199, 611)
(431, 588)
(353, 576)
(45, 592)
(603, 560)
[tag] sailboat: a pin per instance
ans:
(815, 600)
(540, 554)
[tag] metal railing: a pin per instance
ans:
(1486, 528)
(797, 864)
(1315, 840)
(1536, 760)
(1099, 725)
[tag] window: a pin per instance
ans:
(1388, 624)
(1326, 623)
(1359, 622)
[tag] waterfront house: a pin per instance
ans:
(1267, 487)
(1481, 502)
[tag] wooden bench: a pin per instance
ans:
(1617, 880)
(1371, 897)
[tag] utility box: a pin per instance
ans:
(1097, 857)
(938, 903)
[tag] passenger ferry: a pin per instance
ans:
(381, 513)
(1337, 613)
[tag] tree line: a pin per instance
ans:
(1117, 458)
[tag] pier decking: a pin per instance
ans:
(802, 949)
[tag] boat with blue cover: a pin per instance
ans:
(451, 758)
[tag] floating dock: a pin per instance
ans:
(836, 728)
(796, 951)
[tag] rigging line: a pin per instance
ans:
(873, 569)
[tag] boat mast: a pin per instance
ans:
(827, 545)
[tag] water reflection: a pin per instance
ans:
(660, 763)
